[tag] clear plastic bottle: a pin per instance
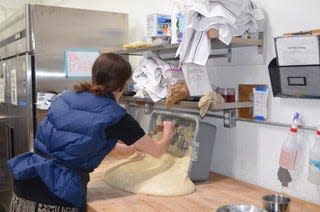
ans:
(289, 149)
(314, 160)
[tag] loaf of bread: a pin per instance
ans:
(138, 44)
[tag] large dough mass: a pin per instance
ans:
(142, 173)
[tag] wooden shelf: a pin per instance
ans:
(185, 104)
(216, 44)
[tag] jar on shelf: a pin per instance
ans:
(228, 94)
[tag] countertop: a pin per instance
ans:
(218, 190)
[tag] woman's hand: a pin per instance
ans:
(169, 129)
(157, 148)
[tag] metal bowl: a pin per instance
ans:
(276, 203)
(240, 208)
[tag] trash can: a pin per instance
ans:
(202, 144)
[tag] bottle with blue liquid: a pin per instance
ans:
(314, 160)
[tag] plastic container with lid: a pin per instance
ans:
(203, 141)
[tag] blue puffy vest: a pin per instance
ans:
(70, 140)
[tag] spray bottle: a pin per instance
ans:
(289, 149)
(314, 160)
(177, 22)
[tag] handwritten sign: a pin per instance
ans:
(197, 79)
(78, 62)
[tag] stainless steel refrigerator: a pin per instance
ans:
(32, 60)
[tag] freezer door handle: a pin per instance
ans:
(12, 142)
(7, 140)
(11, 146)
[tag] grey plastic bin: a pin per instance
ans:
(203, 143)
(200, 168)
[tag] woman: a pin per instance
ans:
(80, 129)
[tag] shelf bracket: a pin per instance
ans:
(229, 118)
(260, 47)
(148, 108)
(229, 55)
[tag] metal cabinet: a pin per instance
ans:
(6, 152)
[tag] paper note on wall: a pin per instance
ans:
(14, 96)
(197, 79)
(298, 50)
(78, 62)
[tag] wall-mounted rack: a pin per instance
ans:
(295, 71)
(228, 55)
(186, 104)
(214, 115)
(228, 108)
(295, 81)
(216, 44)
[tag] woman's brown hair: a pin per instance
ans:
(110, 72)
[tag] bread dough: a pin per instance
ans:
(142, 173)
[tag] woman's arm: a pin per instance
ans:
(134, 138)
(124, 149)
(156, 149)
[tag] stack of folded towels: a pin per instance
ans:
(229, 18)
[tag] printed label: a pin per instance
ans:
(14, 95)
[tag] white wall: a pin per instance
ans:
(248, 152)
